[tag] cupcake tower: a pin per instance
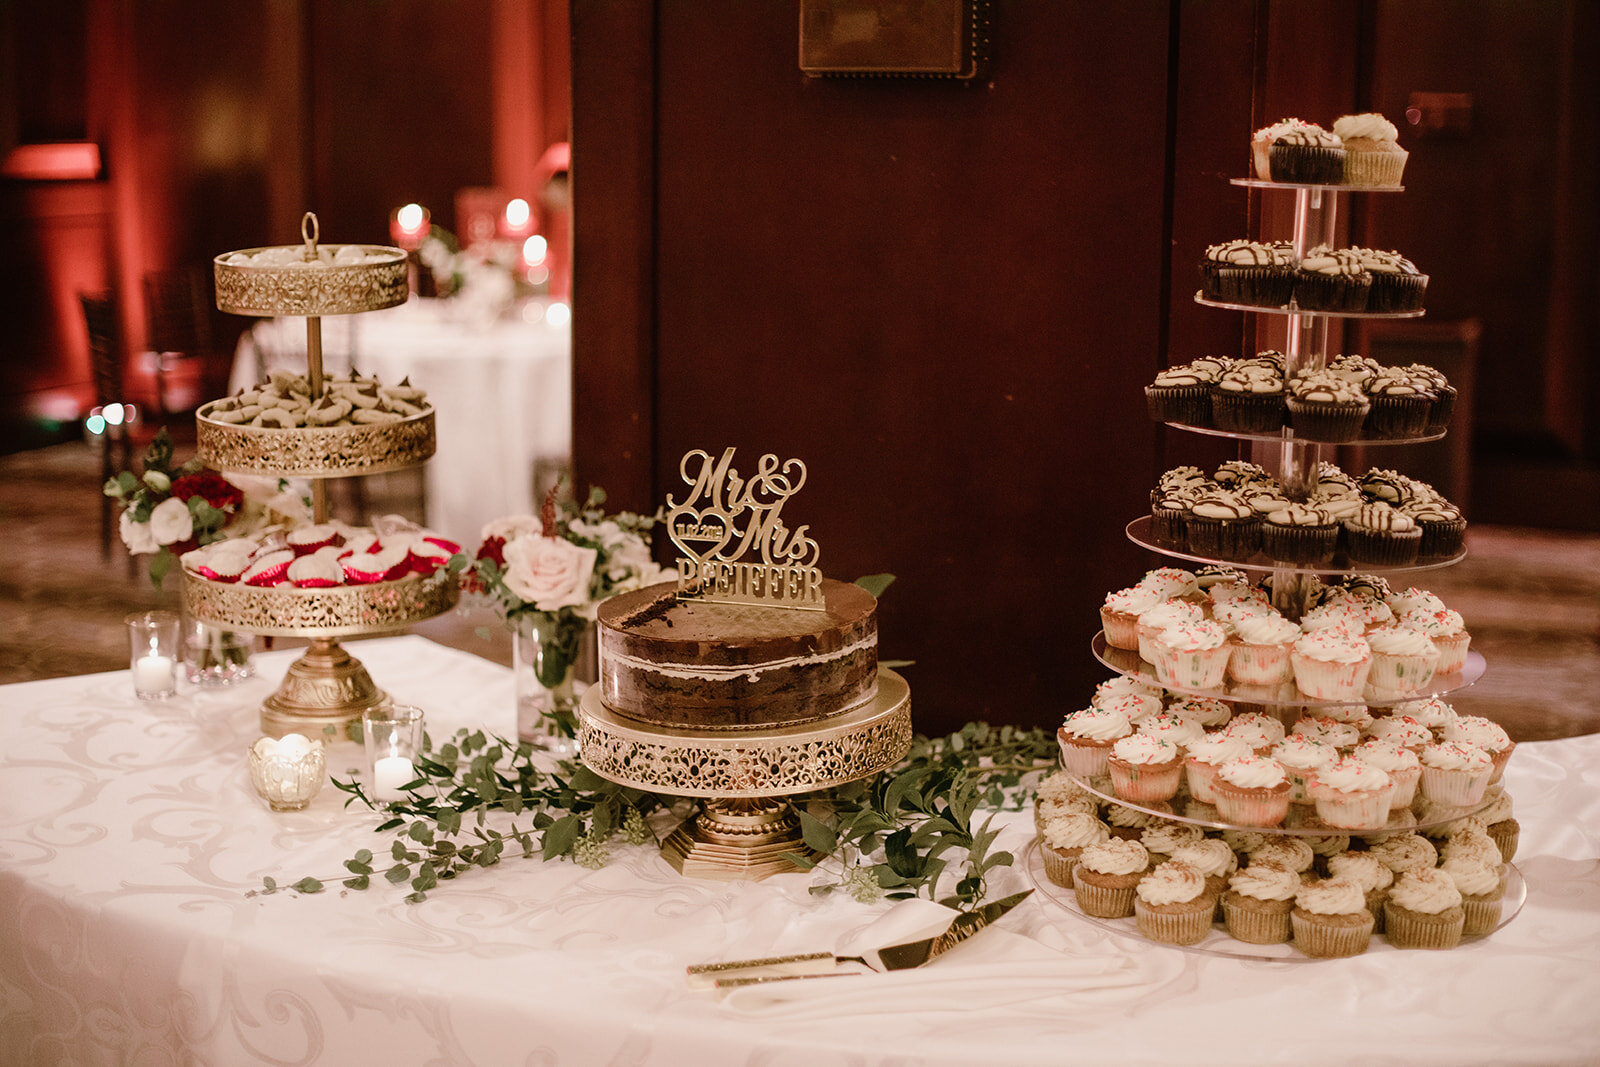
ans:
(311, 585)
(1289, 710)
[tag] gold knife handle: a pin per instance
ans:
(739, 983)
(705, 975)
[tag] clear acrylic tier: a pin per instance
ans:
(1290, 309)
(1288, 436)
(1138, 532)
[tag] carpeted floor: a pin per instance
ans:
(1531, 599)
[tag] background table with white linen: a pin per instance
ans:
(131, 844)
(501, 388)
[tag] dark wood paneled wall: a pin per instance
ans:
(946, 299)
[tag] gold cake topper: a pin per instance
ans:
(706, 528)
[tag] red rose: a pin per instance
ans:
(494, 548)
(211, 487)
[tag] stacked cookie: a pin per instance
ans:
(285, 402)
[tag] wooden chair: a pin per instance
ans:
(178, 331)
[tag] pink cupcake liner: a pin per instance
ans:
(1354, 811)
(1330, 680)
(1084, 758)
(1202, 777)
(1199, 669)
(1260, 664)
(1251, 807)
(1455, 788)
(1121, 628)
(1142, 783)
(1452, 652)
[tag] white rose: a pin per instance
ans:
(548, 572)
(511, 527)
(137, 536)
(171, 522)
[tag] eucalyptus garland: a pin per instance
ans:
(891, 835)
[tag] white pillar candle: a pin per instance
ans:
(155, 674)
(389, 773)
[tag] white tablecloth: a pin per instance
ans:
(130, 841)
(501, 391)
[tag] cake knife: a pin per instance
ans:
(896, 957)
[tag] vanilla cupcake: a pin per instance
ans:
(1065, 838)
(1145, 768)
(1123, 685)
(1209, 712)
(1291, 853)
(1330, 919)
(1170, 582)
(1212, 858)
(1330, 664)
(1260, 648)
(1403, 662)
(1129, 823)
(1136, 707)
(1400, 764)
(1344, 614)
(1171, 904)
(1351, 795)
(1454, 773)
(1162, 839)
(1086, 737)
(1424, 910)
(1404, 852)
(1302, 757)
(1106, 876)
(1168, 612)
(1328, 730)
(1257, 903)
(1261, 732)
(1192, 655)
(1486, 734)
(1449, 635)
(1403, 730)
(1119, 615)
(1205, 756)
(1252, 791)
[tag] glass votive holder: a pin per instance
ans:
(214, 657)
(392, 735)
(154, 653)
(287, 771)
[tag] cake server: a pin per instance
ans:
(915, 935)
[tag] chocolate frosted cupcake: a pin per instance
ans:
(1387, 486)
(1444, 395)
(1223, 526)
(1401, 404)
(1247, 272)
(1169, 515)
(1306, 155)
(1397, 284)
(1300, 533)
(1325, 407)
(1443, 527)
(1381, 535)
(1355, 368)
(1372, 153)
(1181, 394)
(1248, 399)
(1261, 145)
(1331, 279)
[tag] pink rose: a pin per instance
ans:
(548, 572)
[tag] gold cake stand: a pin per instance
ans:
(327, 689)
(745, 826)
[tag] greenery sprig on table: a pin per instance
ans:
(892, 835)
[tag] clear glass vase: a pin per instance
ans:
(544, 655)
(214, 657)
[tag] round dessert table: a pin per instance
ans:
(132, 846)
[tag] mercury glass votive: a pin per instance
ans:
(287, 772)
(392, 735)
(153, 653)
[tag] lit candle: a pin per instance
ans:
(517, 219)
(409, 225)
(389, 773)
(155, 675)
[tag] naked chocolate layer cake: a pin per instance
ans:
(699, 665)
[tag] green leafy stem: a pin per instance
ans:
(892, 835)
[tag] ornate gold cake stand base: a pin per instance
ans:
(745, 826)
(737, 840)
(326, 687)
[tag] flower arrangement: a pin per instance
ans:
(168, 510)
(546, 576)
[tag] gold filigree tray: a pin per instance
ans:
(315, 451)
(333, 611)
(325, 289)
(767, 763)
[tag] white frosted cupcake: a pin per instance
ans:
(1364, 870)
(1106, 876)
(1403, 730)
(1330, 919)
(1260, 732)
(1403, 662)
(1455, 774)
(1119, 615)
(1482, 893)
(1404, 852)
(1449, 635)
(1171, 904)
(1400, 764)
(1145, 769)
(1110, 690)
(1292, 853)
(1168, 612)
(1181, 730)
(1252, 791)
(1261, 645)
(1411, 600)
(1256, 906)
(1328, 730)
(1302, 757)
(1424, 911)
(1212, 858)
(1432, 713)
(1330, 664)
(1486, 734)
(1086, 737)
(1351, 795)
(1192, 655)
(1065, 838)
(1134, 706)
(1203, 759)
(1208, 712)
(1169, 582)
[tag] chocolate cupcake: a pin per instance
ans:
(1355, 368)
(1443, 527)
(1325, 407)
(1331, 280)
(1401, 403)
(1248, 399)
(1372, 153)
(1306, 155)
(1247, 272)
(1261, 145)
(1169, 513)
(1387, 486)
(1222, 526)
(1444, 395)
(1397, 284)
(1302, 534)
(1181, 394)
(1382, 536)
